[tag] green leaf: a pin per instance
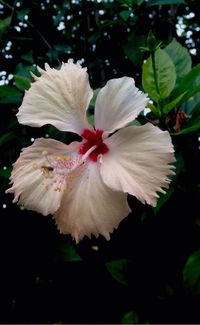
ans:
(191, 129)
(54, 133)
(193, 124)
(180, 57)
(13, 99)
(126, 3)
(129, 3)
(174, 103)
(4, 24)
(165, 72)
(118, 270)
(23, 83)
(8, 91)
(6, 138)
(9, 95)
(130, 317)
(163, 199)
(135, 122)
(138, 2)
(69, 253)
(125, 14)
(24, 70)
(164, 2)
(91, 119)
(191, 272)
(189, 105)
(28, 57)
(151, 42)
(152, 108)
(189, 84)
(132, 48)
(95, 93)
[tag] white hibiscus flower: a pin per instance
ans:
(84, 185)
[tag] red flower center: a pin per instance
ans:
(93, 138)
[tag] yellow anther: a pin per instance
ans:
(66, 157)
(58, 158)
(46, 187)
(57, 189)
(47, 172)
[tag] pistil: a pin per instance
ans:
(93, 138)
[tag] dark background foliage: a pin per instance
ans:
(140, 275)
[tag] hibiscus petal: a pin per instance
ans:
(118, 103)
(138, 161)
(58, 97)
(90, 207)
(37, 176)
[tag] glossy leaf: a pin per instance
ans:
(24, 70)
(164, 2)
(152, 108)
(28, 57)
(4, 25)
(191, 272)
(9, 95)
(69, 253)
(135, 122)
(174, 103)
(6, 138)
(130, 317)
(125, 14)
(189, 84)
(132, 48)
(189, 105)
(165, 72)
(12, 99)
(138, 2)
(180, 57)
(8, 91)
(91, 119)
(126, 3)
(23, 83)
(118, 270)
(93, 100)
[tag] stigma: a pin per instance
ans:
(91, 139)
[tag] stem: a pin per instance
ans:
(160, 106)
(12, 8)
(6, 4)
(30, 24)
(154, 72)
(38, 32)
(42, 37)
